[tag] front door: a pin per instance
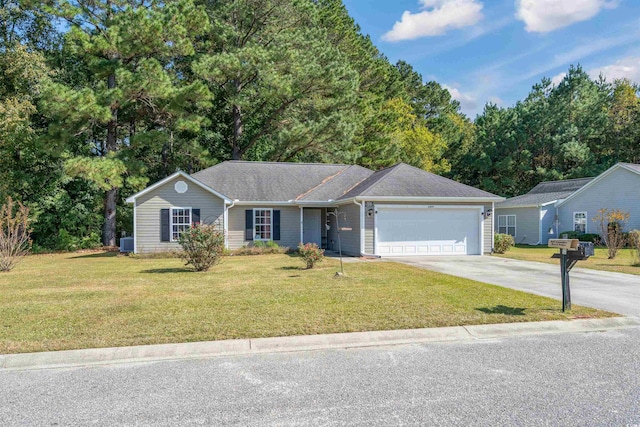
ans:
(312, 227)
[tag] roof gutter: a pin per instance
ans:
(426, 199)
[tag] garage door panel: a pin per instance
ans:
(427, 231)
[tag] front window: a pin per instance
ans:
(180, 221)
(507, 224)
(580, 222)
(262, 224)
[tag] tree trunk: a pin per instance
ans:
(110, 198)
(237, 133)
(236, 152)
(109, 226)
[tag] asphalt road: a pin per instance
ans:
(616, 292)
(588, 379)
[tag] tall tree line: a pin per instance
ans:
(577, 128)
(98, 98)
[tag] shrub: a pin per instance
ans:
(310, 253)
(583, 237)
(270, 247)
(634, 242)
(502, 243)
(611, 224)
(202, 246)
(15, 241)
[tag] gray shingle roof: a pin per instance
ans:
(403, 180)
(337, 185)
(565, 185)
(317, 182)
(265, 181)
(545, 192)
(633, 166)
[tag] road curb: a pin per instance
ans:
(160, 352)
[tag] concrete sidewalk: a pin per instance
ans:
(149, 353)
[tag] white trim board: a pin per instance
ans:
(132, 199)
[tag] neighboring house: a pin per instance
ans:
(400, 210)
(529, 217)
(616, 188)
(553, 207)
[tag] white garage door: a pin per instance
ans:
(422, 230)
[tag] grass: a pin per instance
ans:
(624, 262)
(70, 301)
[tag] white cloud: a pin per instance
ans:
(468, 101)
(436, 18)
(542, 16)
(555, 80)
(626, 68)
(576, 54)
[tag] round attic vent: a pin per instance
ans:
(181, 187)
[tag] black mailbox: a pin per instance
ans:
(587, 249)
(582, 252)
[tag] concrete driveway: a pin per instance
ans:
(616, 292)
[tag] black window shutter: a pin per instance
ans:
(248, 224)
(165, 232)
(276, 225)
(195, 216)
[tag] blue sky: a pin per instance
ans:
(495, 50)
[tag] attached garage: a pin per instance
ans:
(402, 230)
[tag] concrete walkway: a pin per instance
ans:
(616, 292)
(149, 353)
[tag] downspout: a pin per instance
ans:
(539, 225)
(226, 222)
(493, 228)
(362, 252)
(135, 226)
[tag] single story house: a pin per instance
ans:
(551, 208)
(400, 210)
(529, 217)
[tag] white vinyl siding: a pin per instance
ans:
(617, 190)
(547, 221)
(289, 225)
(149, 205)
(525, 224)
(349, 220)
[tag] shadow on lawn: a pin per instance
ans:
(291, 268)
(503, 309)
(168, 270)
(97, 255)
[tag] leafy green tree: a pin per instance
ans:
(127, 48)
(280, 92)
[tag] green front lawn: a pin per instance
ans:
(624, 262)
(68, 301)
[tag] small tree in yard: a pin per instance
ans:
(611, 224)
(202, 245)
(14, 234)
(634, 241)
(311, 254)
